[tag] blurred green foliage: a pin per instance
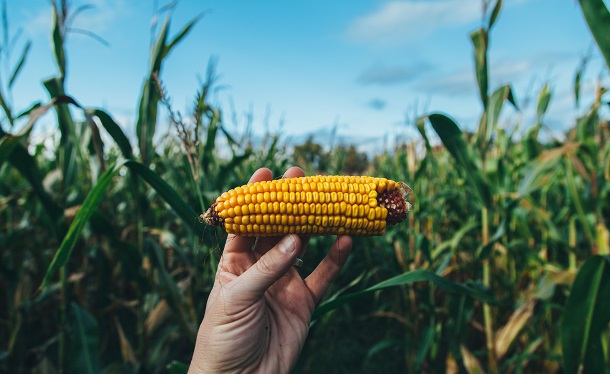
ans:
(105, 266)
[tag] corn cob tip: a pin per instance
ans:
(395, 201)
(211, 217)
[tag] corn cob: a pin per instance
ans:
(316, 205)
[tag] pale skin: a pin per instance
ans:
(258, 312)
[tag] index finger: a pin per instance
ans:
(264, 243)
(240, 244)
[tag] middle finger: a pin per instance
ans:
(265, 243)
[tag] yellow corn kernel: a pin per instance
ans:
(323, 205)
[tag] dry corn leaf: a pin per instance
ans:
(509, 332)
(451, 367)
(473, 366)
(126, 349)
(156, 317)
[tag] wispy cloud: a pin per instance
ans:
(399, 21)
(457, 83)
(96, 16)
(506, 71)
(388, 75)
(102, 15)
(38, 21)
(377, 104)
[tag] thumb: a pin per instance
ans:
(270, 267)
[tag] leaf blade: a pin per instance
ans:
(84, 341)
(454, 141)
(114, 130)
(404, 279)
(20, 64)
(598, 19)
(479, 40)
(586, 317)
(86, 210)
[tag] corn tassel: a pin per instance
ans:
(317, 205)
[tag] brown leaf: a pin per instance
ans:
(515, 324)
(126, 349)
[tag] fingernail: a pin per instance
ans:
(287, 245)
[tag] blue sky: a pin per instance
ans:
(303, 67)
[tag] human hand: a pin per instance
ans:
(258, 312)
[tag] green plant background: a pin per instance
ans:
(502, 266)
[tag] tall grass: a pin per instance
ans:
(503, 265)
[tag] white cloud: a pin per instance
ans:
(460, 83)
(38, 22)
(97, 18)
(101, 16)
(519, 71)
(398, 21)
(388, 75)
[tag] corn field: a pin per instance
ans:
(503, 265)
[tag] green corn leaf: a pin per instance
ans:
(586, 128)
(210, 142)
(19, 65)
(149, 98)
(8, 142)
(598, 18)
(81, 9)
(5, 107)
(271, 153)
(86, 210)
(93, 199)
(424, 348)
(14, 151)
(233, 164)
(147, 119)
(169, 290)
(70, 152)
(228, 136)
(544, 98)
(578, 81)
(607, 166)
(167, 193)
(494, 14)
(496, 103)
(404, 279)
(177, 367)
(454, 141)
(489, 123)
(586, 317)
(420, 124)
(541, 169)
(25, 163)
(58, 44)
(479, 41)
(571, 184)
(114, 130)
(452, 245)
(382, 345)
(189, 26)
(84, 341)
(159, 49)
(484, 251)
(429, 160)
